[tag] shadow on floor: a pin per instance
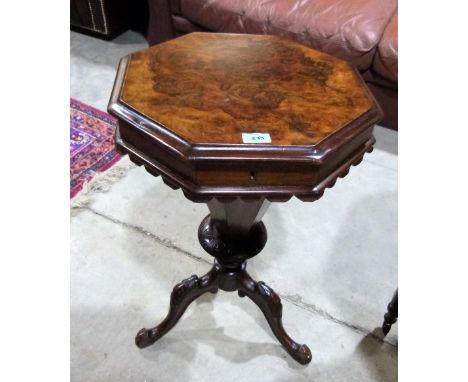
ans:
(227, 347)
(369, 347)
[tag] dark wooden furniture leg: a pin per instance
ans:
(182, 295)
(270, 304)
(232, 233)
(392, 314)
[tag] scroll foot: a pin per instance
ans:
(181, 297)
(270, 304)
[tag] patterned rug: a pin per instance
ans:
(92, 147)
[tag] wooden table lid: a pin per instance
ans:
(226, 115)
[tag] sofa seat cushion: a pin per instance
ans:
(386, 57)
(350, 30)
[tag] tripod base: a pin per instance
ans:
(230, 280)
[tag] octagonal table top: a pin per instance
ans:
(211, 88)
(251, 106)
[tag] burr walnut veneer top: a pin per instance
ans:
(211, 88)
(184, 105)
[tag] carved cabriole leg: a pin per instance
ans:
(181, 297)
(270, 304)
(392, 314)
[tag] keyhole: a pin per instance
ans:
(252, 175)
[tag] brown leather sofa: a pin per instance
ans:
(364, 32)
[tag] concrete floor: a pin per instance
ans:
(333, 262)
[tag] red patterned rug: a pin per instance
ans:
(91, 144)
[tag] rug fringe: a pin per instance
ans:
(100, 183)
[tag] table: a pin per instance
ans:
(238, 122)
